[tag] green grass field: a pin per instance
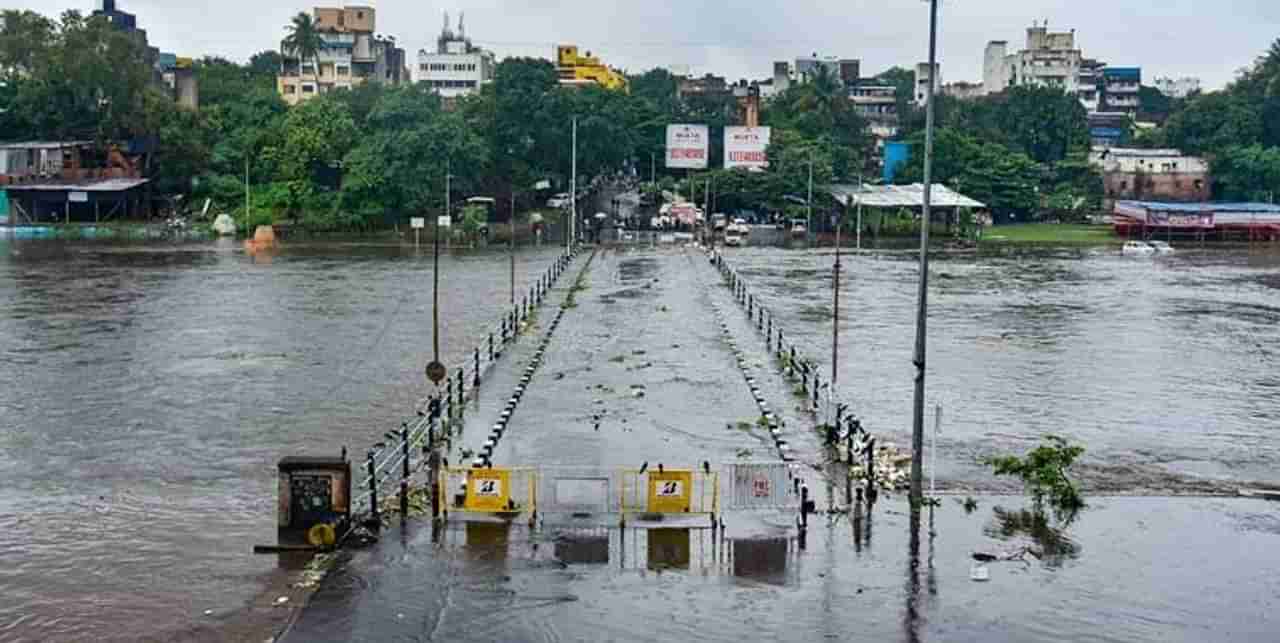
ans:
(1049, 233)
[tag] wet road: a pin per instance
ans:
(1129, 569)
(149, 390)
(1167, 369)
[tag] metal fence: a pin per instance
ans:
(760, 485)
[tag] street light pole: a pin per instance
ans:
(435, 268)
(917, 419)
(809, 201)
(859, 213)
(573, 186)
(511, 245)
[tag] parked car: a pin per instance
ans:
(560, 200)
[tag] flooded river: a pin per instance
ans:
(147, 392)
(1167, 369)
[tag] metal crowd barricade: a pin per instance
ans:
(760, 485)
(686, 492)
(579, 490)
(500, 491)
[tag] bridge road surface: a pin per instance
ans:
(642, 349)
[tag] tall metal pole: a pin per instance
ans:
(573, 185)
(809, 201)
(435, 269)
(246, 195)
(859, 212)
(917, 419)
(835, 326)
(511, 246)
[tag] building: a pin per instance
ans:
(72, 181)
(963, 90)
(781, 76)
(922, 82)
(1109, 129)
(179, 80)
(706, 85)
(577, 70)
(1118, 92)
(1177, 88)
(128, 23)
(351, 54)
(1152, 175)
(179, 76)
(1088, 83)
(456, 67)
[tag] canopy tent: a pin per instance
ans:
(901, 196)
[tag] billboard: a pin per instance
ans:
(688, 146)
(745, 147)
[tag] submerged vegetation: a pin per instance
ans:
(1044, 474)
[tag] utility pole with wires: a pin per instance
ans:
(917, 419)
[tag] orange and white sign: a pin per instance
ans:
(688, 146)
(746, 147)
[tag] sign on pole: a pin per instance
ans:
(444, 221)
(687, 146)
(746, 147)
(417, 223)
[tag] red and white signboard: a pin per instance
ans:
(688, 146)
(746, 147)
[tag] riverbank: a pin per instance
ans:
(1050, 234)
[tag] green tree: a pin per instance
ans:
(1247, 173)
(1215, 122)
(303, 40)
(266, 63)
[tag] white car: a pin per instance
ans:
(733, 238)
(1161, 247)
(559, 201)
(1137, 249)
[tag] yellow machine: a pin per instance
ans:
(577, 69)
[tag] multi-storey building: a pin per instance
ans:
(1049, 59)
(456, 67)
(878, 104)
(921, 96)
(1177, 88)
(1152, 175)
(577, 69)
(1119, 90)
(350, 54)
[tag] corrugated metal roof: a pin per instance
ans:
(108, 185)
(901, 196)
(1161, 206)
(42, 145)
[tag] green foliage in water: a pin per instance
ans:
(1044, 473)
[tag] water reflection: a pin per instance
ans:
(582, 549)
(914, 622)
(1050, 543)
(668, 549)
(763, 559)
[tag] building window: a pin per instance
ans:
(343, 70)
(290, 89)
(422, 67)
(308, 89)
(309, 69)
(359, 15)
(1199, 185)
(1124, 185)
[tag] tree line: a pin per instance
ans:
(373, 155)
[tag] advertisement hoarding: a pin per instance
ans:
(746, 147)
(688, 146)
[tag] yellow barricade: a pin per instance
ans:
(496, 490)
(670, 491)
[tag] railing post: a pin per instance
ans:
(490, 352)
(448, 395)
(404, 472)
(817, 384)
(461, 393)
(476, 382)
(791, 363)
(768, 337)
(373, 489)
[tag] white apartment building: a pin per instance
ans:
(1177, 88)
(350, 54)
(455, 68)
(1050, 59)
(922, 83)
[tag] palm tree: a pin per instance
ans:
(303, 40)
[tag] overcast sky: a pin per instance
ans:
(1210, 39)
